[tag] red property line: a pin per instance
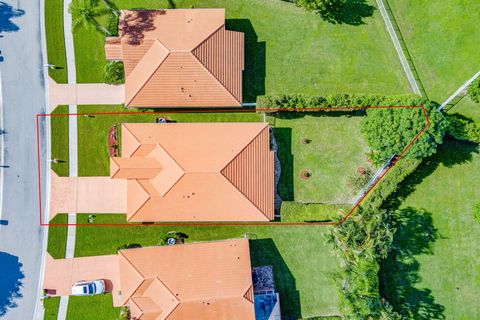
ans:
(427, 123)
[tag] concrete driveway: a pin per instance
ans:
(61, 274)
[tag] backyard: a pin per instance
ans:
(434, 267)
(282, 55)
(301, 261)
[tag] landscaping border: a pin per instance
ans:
(354, 207)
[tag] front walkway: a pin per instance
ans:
(85, 94)
(61, 274)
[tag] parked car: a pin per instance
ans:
(88, 288)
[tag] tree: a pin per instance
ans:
(320, 6)
(474, 90)
(389, 131)
(85, 12)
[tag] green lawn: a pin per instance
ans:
(467, 108)
(301, 261)
(55, 40)
(95, 307)
(59, 132)
(51, 308)
(335, 151)
(93, 158)
(57, 237)
(442, 37)
(434, 272)
(282, 54)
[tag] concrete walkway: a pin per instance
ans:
(72, 141)
(459, 90)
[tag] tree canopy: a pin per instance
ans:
(474, 90)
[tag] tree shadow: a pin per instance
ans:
(350, 12)
(321, 113)
(10, 282)
(264, 252)
(135, 23)
(7, 12)
(255, 59)
(399, 273)
(283, 136)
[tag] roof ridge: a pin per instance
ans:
(209, 71)
(156, 41)
(134, 268)
(178, 164)
(143, 204)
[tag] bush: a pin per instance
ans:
(292, 211)
(114, 73)
(389, 131)
(112, 25)
(463, 129)
(359, 180)
(342, 101)
(476, 212)
(473, 90)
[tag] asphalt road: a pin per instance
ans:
(23, 97)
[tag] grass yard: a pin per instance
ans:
(93, 158)
(335, 151)
(57, 237)
(442, 37)
(467, 108)
(301, 261)
(283, 55)
(51, 308)
(55, 40)
(94, 307)
(59, 132)
(434, 272)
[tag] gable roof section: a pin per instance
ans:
(192, 281)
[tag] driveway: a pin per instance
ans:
(61, 274)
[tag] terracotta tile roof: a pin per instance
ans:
(197, 171)
(180, 57)
(202, 281)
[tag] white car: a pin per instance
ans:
(88, 288)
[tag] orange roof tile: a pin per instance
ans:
(203, 281)
(180, 57)
(197, 171)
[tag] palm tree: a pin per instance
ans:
(85, 12)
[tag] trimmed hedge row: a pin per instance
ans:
(463, 129)
(292, 211)
(334, 101)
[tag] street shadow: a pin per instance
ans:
(399, 273)
(352, 12)
(11, 277)
(7, 13)
(136, 22)
(255, 59)
(283, 136)
(264, 252)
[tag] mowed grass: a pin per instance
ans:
(439, 274)
(55, 40)
(57, 237)
(468, 108)
(97, 307)
(93, 158)
(301, 260)
(59, 133)
(51, 308)
(288, 50)
(442, 37)
(336, 149)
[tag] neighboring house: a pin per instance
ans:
(202, 281)
(178, 58)
(180, 172)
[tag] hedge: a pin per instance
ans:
(292, 211)
(473, 90)
(335, 101)
(463, 129)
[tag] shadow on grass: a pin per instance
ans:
(264, 252)
(255, 57)
(10, 282)
(284, 142)
(301, 114)
(399, 273)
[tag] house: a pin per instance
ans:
(180, 172)
(202, 281)
(178, 58)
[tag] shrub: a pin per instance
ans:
(336, 101)
(114, 73)
(389, 131)
(112, 25)
(476, 212)
(292, 211)
(124, 313)
(359, 180)
(463, 129)
(473, 90)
